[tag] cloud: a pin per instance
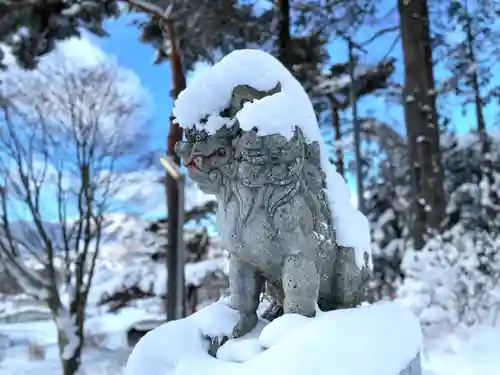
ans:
(80, 53)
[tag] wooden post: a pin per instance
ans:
(172, 189)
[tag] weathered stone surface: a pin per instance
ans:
(273, 217)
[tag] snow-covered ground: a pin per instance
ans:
(106, 349)
(30, 341)
(467, 351)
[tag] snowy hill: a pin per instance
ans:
(117, 226)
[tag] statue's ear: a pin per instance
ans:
(244, 93)
(226, 113)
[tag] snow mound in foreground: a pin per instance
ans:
(209, 93)
(380, 339)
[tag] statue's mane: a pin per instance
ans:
(315, 182)
(280, 170)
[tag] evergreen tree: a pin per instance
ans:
(32, 28)
(331, 95)
(205, 30)
(470, 52)
(474, 193)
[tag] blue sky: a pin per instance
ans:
(124, 45)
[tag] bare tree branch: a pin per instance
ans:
(379, 33)
(68, 135)
(151, 9)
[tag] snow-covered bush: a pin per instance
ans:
(454, 280)
(388, 244)
(472, 181)
(472, 185)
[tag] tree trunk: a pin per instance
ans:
(421, 120)
(70, 338)
(284, 32)
(353, 101)
(174, 136)
(71, 362)
(471, 56)
(338, 137)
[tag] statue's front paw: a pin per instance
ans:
(246, 323)
(275, 310)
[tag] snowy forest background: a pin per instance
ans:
(83, 214)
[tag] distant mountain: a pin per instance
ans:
(117, 228)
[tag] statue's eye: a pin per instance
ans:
(226, 113)
(198, 137)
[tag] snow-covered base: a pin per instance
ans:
(379, 339)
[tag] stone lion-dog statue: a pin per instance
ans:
(274, 219)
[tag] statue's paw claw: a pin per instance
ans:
(215, 343)
(245, 325)
(275, 310)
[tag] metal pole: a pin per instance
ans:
(357, 130)
(175, 284)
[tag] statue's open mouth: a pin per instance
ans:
(192, 163)
(196, 161)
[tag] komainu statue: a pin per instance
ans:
(273, 217)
